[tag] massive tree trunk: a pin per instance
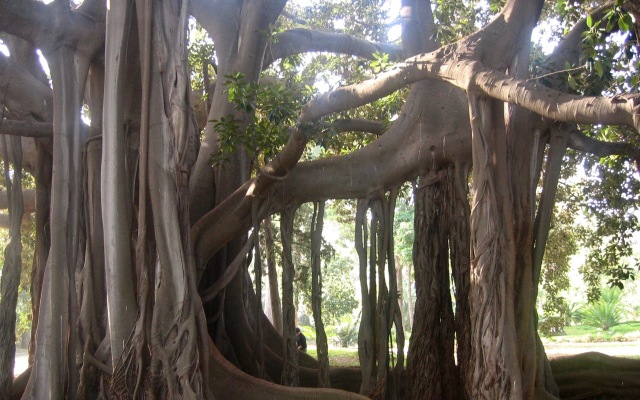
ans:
(117, 266)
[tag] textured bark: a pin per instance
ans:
(594, 375)
(317, 223)
(12, 267)
(378, 257)
(177, 328)
(290, 373)
(257, 321)
(116, 210)
(395, 380)
(366, 341)
(495, 371)
(431, 365)
(92, 324)
(43, 238)
(165, 352)
(55, 370)
(460, 266)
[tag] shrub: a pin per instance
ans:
(606, 312)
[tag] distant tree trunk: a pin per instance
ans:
(409, 291)
(366, 343)
(257, 320)
(395, 382)
(401, 290)
(317, 222)
(290, 373)
(274, 292)
(12, 266)
(380, 228)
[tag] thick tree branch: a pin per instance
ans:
(26, 128)
(358, 125)
(472, 75)
(28, 198)
(51, 24)
(22, 92)
(579, 141)
(297, 41)
(24, 18)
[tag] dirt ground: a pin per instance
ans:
(618, 349)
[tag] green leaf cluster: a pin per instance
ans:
(272, 108)
(608, 311)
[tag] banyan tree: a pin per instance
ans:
(150, 190)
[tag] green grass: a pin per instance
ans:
(340, 357)
(583, 333)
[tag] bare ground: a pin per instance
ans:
(616, 349)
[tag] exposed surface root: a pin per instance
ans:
(228, 382)
(597, 376)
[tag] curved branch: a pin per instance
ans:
(26, 128)
(229, 382)
(359, 125)
(581, 142)
(473, 76)
(28, 199)
(50, 25)
(294, 18)
(25, 94)
(570, 48)
(351, 176)
(297, 41)
(26, 18)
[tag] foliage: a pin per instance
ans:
(338, 291)
(345, 331)
(613, 204)
(562, 244)
(23, 314)
(23, 311)
(572, 313)
(201, 54)
(606, 312)
(273, 107)
(318, 72)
